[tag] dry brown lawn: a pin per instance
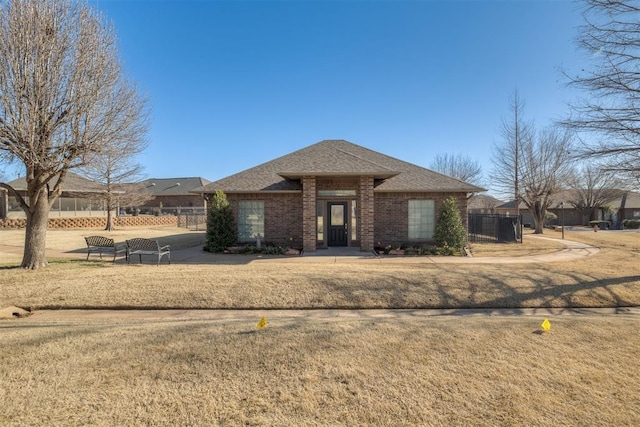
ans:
(321, 367)
(322, 370)
(611, 278)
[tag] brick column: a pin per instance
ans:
(366, 213)
(309, 213)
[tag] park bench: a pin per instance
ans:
(103, 245)
(141, 247)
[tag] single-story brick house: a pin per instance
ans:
(336, 193)
(173, 193)
(75, 199)
(622, 205)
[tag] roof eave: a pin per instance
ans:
(246, 191)
(375, 174)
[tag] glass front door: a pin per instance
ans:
(338, 224)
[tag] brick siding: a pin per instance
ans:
(392, 217)
(385, 220)
(366, 216)
(282, 216)
(309, 213)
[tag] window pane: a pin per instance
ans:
(337, 215)
(336, 193)
(320, 221)
(354, 221)
(250, 219)
(421, 219)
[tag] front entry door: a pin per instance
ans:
(338, 225)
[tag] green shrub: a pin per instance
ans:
(631, 223)
(449, 229)
(221, 228)
(251, 249)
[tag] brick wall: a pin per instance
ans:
(97, 222)
(282, 216)
(309, 213)
(367, 211)
(337, 184)
(385, 220)
(392, 216)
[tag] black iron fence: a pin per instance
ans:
(192, 220)
(488, 228)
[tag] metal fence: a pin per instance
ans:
(489, 228)
(192, 220)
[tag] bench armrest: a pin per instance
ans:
(165, 247)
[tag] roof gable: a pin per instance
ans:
(337, 158)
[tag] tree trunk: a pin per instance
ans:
(36, 234)
(109, 226)
(538, 217)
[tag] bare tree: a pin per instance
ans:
(116, 169)
(533, 165)
(63, 97)
(516, 132)
(546, 164)
(459, 166)
(610, 112)
(590, 188)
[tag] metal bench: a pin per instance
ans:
(141, 247)
(103, 245)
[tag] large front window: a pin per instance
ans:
(250, 219)
(421, 219)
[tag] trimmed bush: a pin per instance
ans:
(631, 223)
(449, 229)
(221, 227)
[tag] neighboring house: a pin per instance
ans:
(625, 206)
(75, 199)
(171, 194)
(336, 193)
(483, 204)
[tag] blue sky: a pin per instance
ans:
(233, 84)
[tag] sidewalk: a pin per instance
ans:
(324, 314)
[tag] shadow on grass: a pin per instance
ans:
(566, 290)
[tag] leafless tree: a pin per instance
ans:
(590, 188)
(533, 165)
(515, 132)
(116, 169)
(546, 163)
(611, 110)
(63, 97)
(459, 166)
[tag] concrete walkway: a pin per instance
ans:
(323, 314)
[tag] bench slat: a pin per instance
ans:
(100, 245)
(140, 246)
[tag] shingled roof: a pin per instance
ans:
(73, 183)
(173, 186)
(337, 158)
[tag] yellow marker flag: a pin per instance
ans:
(546, 325)
(262, 323)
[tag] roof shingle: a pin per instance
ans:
(337, 158)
